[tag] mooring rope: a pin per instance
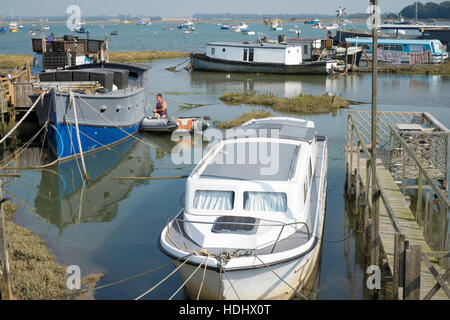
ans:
(23, 118)
(174, 68)
(128, 134)
(203, 278)
(186, 281)
(231, 284)
(279, 277)
(80, 147)
(165, 278)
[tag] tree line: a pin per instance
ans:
(429, 10)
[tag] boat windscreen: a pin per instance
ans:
(264, 161)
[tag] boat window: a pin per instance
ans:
(235, 225)
(305, 49)
(213, 51)
(245, 54)
(251, 54)
(223, 50)
(213, 200)
(265, 201)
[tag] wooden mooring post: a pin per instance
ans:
(5, 281)
(413, 258)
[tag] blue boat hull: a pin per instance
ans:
(62, 139)
(103, 118)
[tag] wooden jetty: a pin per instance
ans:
(412, 163)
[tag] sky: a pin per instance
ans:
(184, 8)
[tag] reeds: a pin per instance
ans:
(301, 104)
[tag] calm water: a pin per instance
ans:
(154, 37)
(112, 226)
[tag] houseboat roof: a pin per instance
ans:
(250, 45)
(114, 65)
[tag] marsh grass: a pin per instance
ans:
(8, 61)
(301, 104)
(35, 274)
(223, 125)
(145, 56)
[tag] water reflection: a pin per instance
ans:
(64, 200)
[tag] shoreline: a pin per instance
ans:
(11, 61)
(34, 271)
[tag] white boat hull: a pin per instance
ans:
(251, 284)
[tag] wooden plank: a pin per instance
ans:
(407, 223)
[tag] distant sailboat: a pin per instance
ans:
(2, 29)
(13, 26)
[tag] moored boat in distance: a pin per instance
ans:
(404, 51)
(255, 228)
(258, 58)
(312, 21)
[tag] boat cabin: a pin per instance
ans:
(233, 185)
(312, 47)
(272, 53)
(404, 46)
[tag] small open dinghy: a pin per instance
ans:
(190, 124)
(151, 124)
(193, 123)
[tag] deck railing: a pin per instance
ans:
(407, 258)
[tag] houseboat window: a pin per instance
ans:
(223, 49)
(245, 54)
(213, 51)
(213, 200)
(265, 201)
(305, 49)
(251, 54)
(416, 48)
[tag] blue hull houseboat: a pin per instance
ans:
(109, 109)
(280, 58)
(404, 51)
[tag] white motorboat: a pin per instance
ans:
(251, 227)
(243, 26)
